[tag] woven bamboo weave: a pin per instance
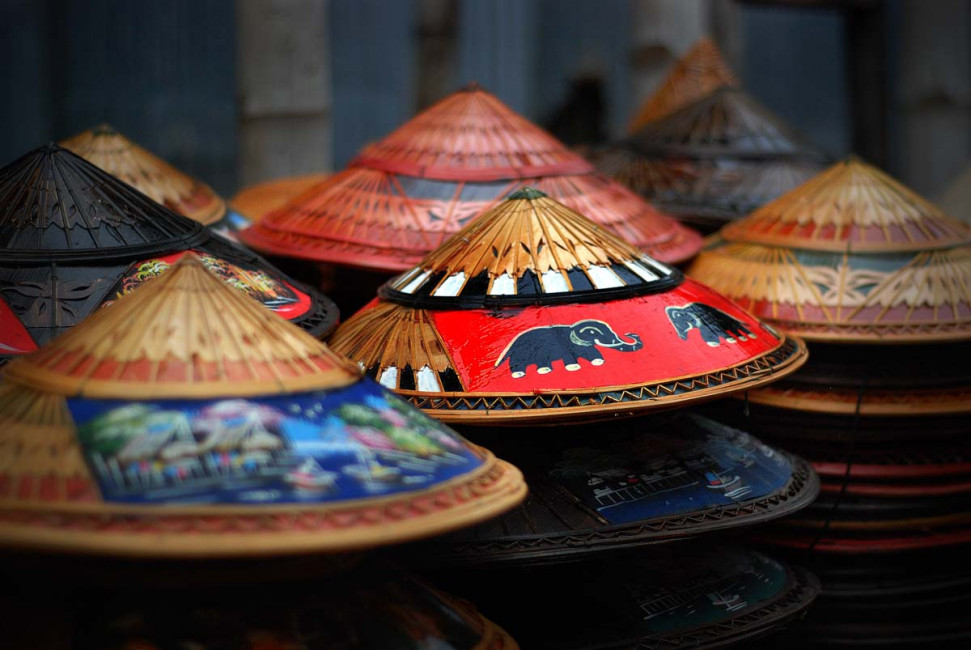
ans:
(538, 235)
(149, 174)
(910, 297)
(852, 206)
(699, 72)
(186, 335)
(851, 255)
(528, 267)
(403, 196)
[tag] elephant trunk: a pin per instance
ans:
(633, 346)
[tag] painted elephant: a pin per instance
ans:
(541, 346)
(713, 324)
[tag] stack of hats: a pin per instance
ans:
(150, 175)
(75, 238)
(188, 421)
(406, 194)
(879, 280)
(714, 159)
(533, 315)
(699, 72)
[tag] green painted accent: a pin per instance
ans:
(528, 193)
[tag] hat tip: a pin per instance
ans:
(471, 87)
(104, 129)
(527, 193)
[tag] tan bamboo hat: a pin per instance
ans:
(699, 72)
(188, 420)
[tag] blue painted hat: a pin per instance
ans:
(189, 420)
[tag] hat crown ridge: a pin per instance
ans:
(529, 248)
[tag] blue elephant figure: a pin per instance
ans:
(541, 346)
(713, 324)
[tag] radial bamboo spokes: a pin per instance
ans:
(852, 206)
(471, 135)
(185, 334)
(392, 336)
(827, 296)
(147, 173)
(38, 436)
(54, 204)
(699, 72)
(727, 122)
(528, 232)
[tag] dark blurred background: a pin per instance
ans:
(240, 91)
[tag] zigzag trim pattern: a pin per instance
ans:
(756, 369)
(333, 528)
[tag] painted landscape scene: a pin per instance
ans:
(319, 446)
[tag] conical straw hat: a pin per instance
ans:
(189, 415)
(850, 256)
(57, 205)
(183, 337)
(534, 312)
(471, 135)
(713, 160)
(149, 174)
(403, 196)
(699, 72)
(74, 238)
(850, 207)
(726, 122)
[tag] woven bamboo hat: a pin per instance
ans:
(73, 237)
(702, 70)
(149, 174)
(850, 256)
(854, 257)
(405, 195)
(713, 160)
(188, 420)
(533, 312)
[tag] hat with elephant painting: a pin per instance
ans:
(533, 312)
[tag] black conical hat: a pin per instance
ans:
(727, 122)
(55, 205)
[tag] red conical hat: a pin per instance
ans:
(697, 73)
(406, 194)
(533, 312)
